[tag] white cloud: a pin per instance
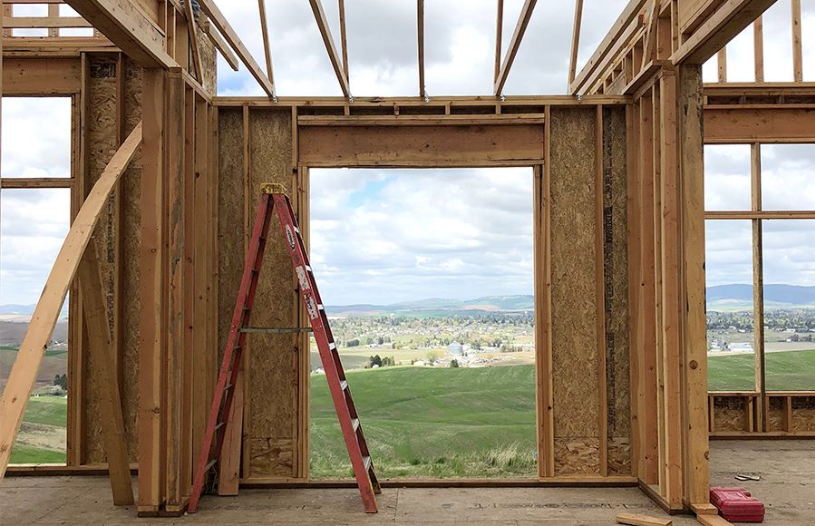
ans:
(398, 235)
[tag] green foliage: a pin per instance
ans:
(61, 380)
(454, 364)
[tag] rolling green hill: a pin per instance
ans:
(786, 371)
(423, 422)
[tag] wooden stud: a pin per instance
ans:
(797, 42)
(692, 302)
(722, 65)
(152, 326)
(600, 288)
(26, 366)
(543, 322)
(758, 287)
(634, 212)
(758, 48)
(672, 313)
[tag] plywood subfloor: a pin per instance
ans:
(787, 487)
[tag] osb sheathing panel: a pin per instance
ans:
(130, 229)
(272, 379)
(803, 414)
(776, 414)
(574, 306)
(271, 388)
(615, 235)
(101, 141)
(209, 59)
(730, 414)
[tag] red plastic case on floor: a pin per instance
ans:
(736, 505)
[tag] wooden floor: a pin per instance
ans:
(787, 469)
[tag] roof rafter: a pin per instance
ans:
(499, 35)
(578, 25)
(420, 34)
(219, 21)
(331, 48)
(193, 32)
(514, 44)
(267, 46)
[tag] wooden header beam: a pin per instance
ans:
(128, 28)
(719, 29)
(219, 21)
(333, 55)
(514, 44)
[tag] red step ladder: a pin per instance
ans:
(273, 198)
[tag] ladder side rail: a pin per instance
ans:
(333, 368)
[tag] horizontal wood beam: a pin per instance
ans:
(45, 22)
(333, 55)
(128, 28)
(719, 29)
(29, 357)
(514, 44)
(219, 21)
(420, 120)
(770, 124)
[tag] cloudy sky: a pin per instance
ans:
(384, 236)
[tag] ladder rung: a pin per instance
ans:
(344, 385)
(227, 387)
(332, 346)
(219, 425)
(355, 424)
(367, 462)
(320, 307)
(212, 463)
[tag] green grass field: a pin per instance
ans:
(44, 411)
(422, 422)
(786, 371)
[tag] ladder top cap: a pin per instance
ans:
(273, 188)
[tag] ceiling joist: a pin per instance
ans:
(514, 44)
(331, 48)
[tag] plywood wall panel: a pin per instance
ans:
(101, 142)
(272, 377)
(574, 306)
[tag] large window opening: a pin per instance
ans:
(427, 276)
(760, 202)
(35, 215)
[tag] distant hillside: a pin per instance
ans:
(440, 306)
(739, 296)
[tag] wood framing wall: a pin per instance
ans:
(581, 196)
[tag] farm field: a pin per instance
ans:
(432, 422)
(786, 371)
(43, 434)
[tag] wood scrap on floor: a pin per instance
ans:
(713, 520)
(642, 520)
